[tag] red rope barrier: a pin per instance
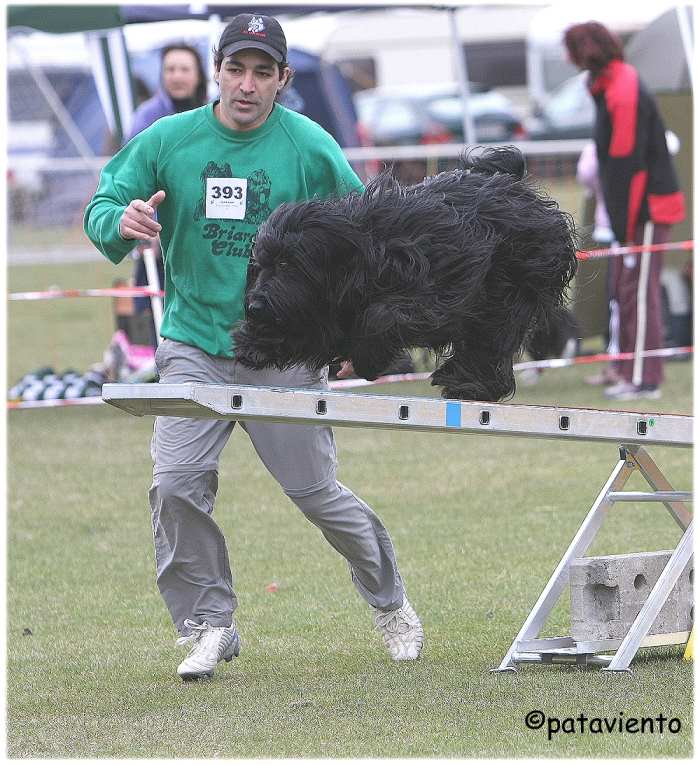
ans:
(407, 377)
(607, 252)
(51, 403)
(111, 292)
(601, 357)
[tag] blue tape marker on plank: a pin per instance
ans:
(453, 414)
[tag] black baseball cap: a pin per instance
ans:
(250, 30)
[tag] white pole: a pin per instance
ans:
(149, 260)
(463, 78)
(116, 44)
(214, 34)
(684, 27)
(642, 290)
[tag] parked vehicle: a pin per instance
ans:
(567, 113)
(434, 114)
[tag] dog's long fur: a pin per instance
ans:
(466, 263)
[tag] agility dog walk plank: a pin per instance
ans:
(298, 405)
(631, 431)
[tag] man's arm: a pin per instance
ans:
(117, 214)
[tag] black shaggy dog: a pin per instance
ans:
(467, 263)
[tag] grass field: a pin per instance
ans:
(478, 524)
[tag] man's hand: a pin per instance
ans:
(346, 370)
(137, 223)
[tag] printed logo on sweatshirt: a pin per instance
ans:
(233, 238)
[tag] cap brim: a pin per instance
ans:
(243, 44)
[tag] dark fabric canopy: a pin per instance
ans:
(64, 18)
(142, 13)
(83, 18)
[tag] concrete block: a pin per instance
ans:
(608, 591)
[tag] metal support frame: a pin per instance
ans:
(527, 647)
(631, 431)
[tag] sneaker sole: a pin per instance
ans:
(192, 677)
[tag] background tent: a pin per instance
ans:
(324, 95)
(660, 55)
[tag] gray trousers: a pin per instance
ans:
(192, 562)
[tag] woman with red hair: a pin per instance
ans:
(639, 186)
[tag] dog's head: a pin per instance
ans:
(290, 304)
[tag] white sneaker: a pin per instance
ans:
(211, 645)
(402, 631)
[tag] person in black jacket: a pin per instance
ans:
(639, 186)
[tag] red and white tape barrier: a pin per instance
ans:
(520, 366)
(109, 292)
(607, 252)
(51, 403)
(356, 382)
(407, 377)
(686, 350)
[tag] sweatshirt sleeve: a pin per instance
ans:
(333, 175)
(130, 174)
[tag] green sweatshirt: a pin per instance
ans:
(220, 185)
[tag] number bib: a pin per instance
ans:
(226, 198)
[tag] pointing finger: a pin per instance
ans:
(156, 199)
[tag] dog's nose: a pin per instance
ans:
(257, 308)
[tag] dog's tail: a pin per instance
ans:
(499, 159)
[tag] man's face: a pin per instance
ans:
(249, 82)
(180, 75)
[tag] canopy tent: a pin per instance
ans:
(662, 51)
(63, 18)
(325, 96)
(82, 18)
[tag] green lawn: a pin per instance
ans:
(478, 524)
(25, 236)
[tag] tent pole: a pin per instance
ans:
(463, 78)
(214, 34)
(686, 37)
